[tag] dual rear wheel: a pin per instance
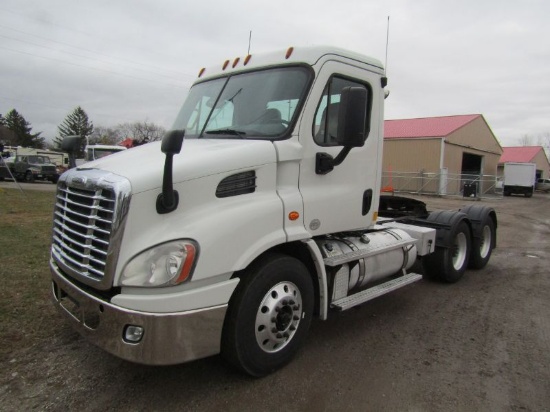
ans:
(464, 249)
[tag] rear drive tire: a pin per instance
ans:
(448, 264)
(483, 246)
(268, 315)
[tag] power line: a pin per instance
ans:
(76, 31)
(50, 23)
(94, 52)
(93, 68)
(77, 55)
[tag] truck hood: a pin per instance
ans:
(144, 165)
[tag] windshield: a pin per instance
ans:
(249, 105)
(39, 159)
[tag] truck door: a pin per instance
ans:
(346, 197)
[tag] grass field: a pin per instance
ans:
(26, 313)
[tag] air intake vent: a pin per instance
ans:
(239, 184)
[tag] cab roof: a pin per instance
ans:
(298, 55)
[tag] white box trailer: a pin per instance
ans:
(519, 178)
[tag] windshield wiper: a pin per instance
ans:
(231, 132)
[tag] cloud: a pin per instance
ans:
(129, 61)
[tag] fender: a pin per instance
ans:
(444, 221)
(478, 214)
(321, 277)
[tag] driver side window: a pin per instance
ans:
(325, 124)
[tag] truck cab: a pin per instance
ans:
(258, 211)
(97, 151)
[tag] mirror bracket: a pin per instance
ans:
(325, 163)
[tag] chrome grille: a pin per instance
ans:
(48, 169)
(87, 228)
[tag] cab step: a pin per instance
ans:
(367, 252)
(378, 290)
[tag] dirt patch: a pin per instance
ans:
(480, 344)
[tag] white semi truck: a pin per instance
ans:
(266, 216)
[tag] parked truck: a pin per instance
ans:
(31, 167)
(266, 216)
(519, 178)
(34, 163)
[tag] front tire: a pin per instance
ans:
(269, 315)
(29, 177)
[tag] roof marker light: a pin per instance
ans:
(201, 72)
(236, 61)
(247, 59)
(289, 52)
(225, 64)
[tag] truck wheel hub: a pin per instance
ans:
(278, 317)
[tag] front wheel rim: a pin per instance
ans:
(278, 317)
(459, 251)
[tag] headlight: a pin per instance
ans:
(163, 265)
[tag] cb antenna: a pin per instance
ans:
(387, 42)
(249, 41)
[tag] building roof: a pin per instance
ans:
(426, 127)
(519, 154)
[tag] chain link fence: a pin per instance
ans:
(442, 183)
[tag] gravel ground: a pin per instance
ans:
(482, 344)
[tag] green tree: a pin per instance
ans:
(75, 124)
(23, 131)
(2, 120)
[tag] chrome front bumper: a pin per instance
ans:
(168, 338)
